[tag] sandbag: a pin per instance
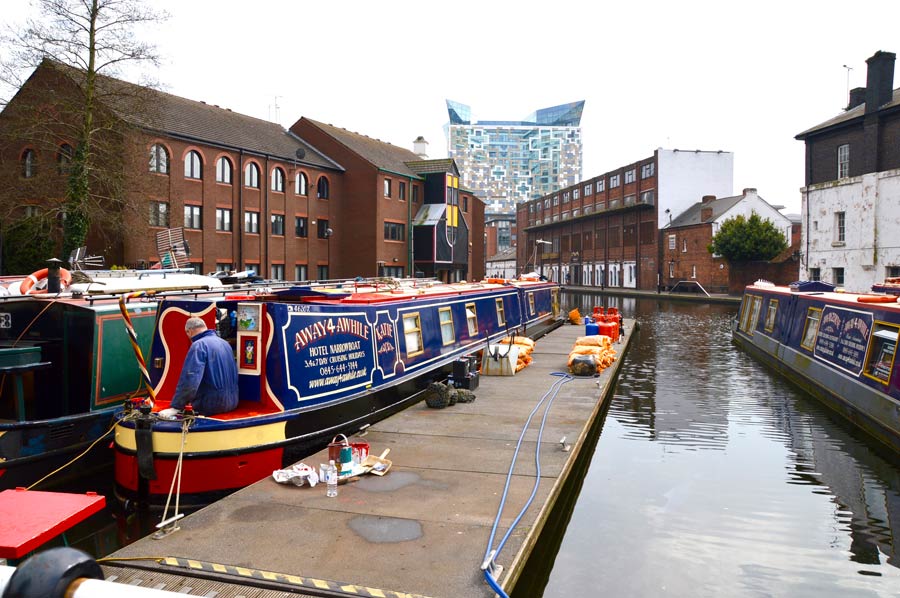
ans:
(598, 340)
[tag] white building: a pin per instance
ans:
(851, 201)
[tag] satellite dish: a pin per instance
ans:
(300, 153)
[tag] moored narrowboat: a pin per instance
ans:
(838, 346)
(313, 362)
(66, 366)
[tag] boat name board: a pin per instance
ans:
(843, 337)
(335, 353)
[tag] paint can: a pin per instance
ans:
(335, 446)
(360, 451)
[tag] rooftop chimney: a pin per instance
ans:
(708, 198)
(857, 97)
(420, 147)
(879, 80)
(705, 214)
(749, 191)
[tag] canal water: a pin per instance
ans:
(710, 477)
(713, 477)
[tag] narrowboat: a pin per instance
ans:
(313, 362)
(838, 346)
(66, 366)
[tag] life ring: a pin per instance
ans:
(65, 277)
(877, 298)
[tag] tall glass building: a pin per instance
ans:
(507, 162)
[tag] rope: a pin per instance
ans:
(25, 330)
(132, 337)
(83, 453)
(176, 477)
(491, 553)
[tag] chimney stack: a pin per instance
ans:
(879, 80)
(420, 147)
(708, 198)
(705, 214)
(857, 97)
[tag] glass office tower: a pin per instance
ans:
(507, 162)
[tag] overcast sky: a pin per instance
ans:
(743, 77)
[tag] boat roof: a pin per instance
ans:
(832, 296)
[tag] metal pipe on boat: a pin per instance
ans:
(53, 285)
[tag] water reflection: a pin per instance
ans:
(714, 477)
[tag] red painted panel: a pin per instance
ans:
(31, 517)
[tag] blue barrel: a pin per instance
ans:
(591, 328)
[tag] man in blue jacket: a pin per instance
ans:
(209, 378)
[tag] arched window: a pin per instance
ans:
(223, 170)
(277, 180)
(64, 158)
(192, 169)
(300, 184)
(322, 188)
(159, 159)
(251, 175)
(29, 163)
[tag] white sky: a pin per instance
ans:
(742, 77)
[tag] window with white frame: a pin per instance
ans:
(648, 170)
(588, 189)
(300, 227)
(575, 194)
(629, 176)
(614, 181)
(412, 332)
(300, 272)
(277, 272)
(693, 271)
(446, 321)
(601, 185)
(387, 187)
(843, 161)
(837, 275)
(840, 220)
(672, 242)
(322, 188)
(471, 320)
(684, 246)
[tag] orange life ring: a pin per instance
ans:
(65, 278)
(877, 298)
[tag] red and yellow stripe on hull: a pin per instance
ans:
(213, 461)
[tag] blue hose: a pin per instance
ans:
(490, 553)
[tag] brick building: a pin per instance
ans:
(250, 194)
(604, 231)
(851, 202)
(685, 256)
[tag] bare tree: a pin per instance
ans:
(85, 43)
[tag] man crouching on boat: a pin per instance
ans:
(209, 378)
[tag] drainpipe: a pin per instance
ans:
(264, 258)
(411, 270)
(240, 215)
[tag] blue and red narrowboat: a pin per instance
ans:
(838, 346)
(313, 361)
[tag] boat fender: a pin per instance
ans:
(49, 574)
(65, 278)
(877, 298)
(143, 437)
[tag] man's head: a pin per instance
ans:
(194, 326)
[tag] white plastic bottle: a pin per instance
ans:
(331, 479)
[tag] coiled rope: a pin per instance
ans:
(491, 553)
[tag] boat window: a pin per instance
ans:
(471, 319)
(770, 315)
(813, 315)
(531, 303)
(501, 314)
(882, 347)
(750, 313)
(412, 330)
(446, 318)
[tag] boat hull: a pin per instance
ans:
(837, 349)
(309, 370)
